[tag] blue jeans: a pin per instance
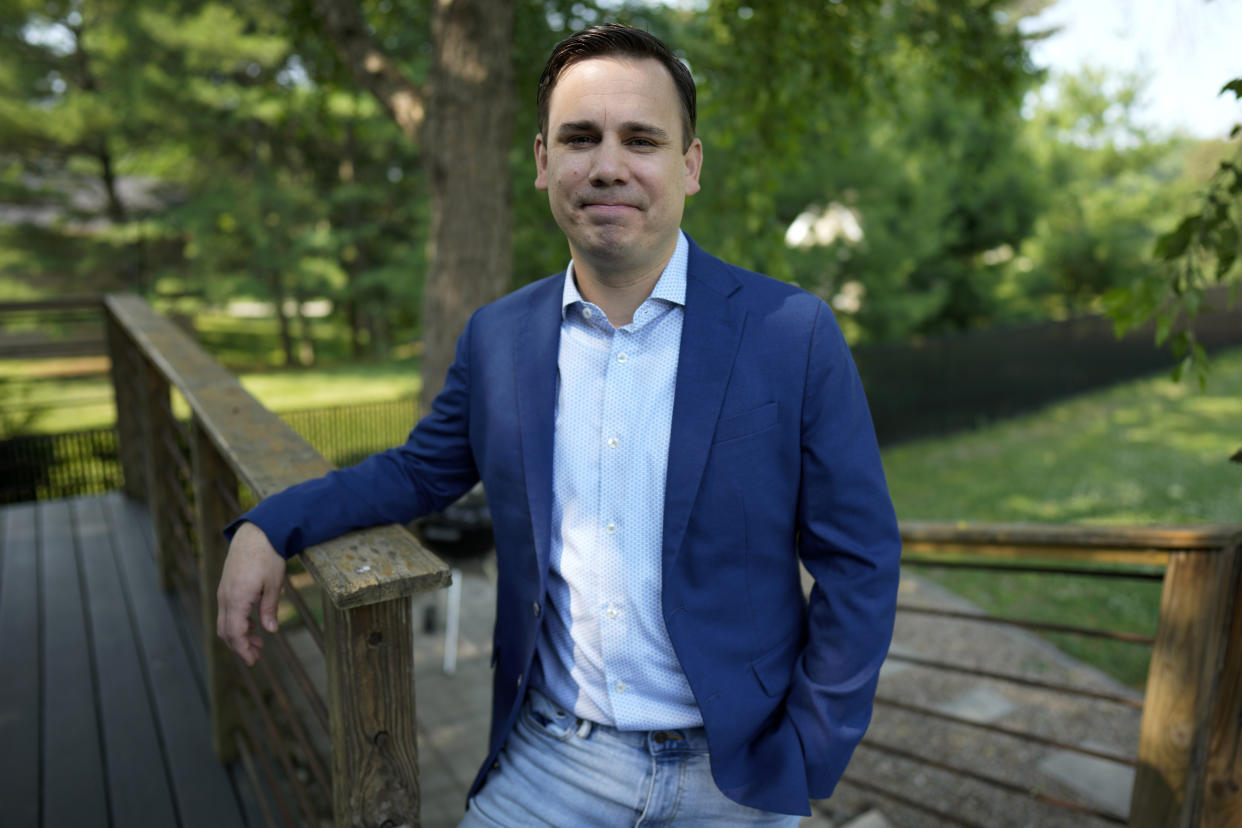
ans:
(563, 772)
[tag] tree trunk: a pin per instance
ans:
(466, 139)
(306, 340)
(276, 284)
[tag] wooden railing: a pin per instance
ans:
(1188, 767)
(73, 322)
(273, 717)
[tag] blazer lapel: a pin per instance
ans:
(535, 353)
(711, 331)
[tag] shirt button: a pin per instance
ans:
(621, 357)
(611, 528)
(586, 312)
(612, 612)
(535, 608)
(613, 442)
(621, 688)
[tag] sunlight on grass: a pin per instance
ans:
(70, 403)
(1148, 451)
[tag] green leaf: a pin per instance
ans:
(1164, 326)
(1234, 86)
(1174, 243)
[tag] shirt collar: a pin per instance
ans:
(671, 286)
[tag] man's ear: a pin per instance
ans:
(541, 163)
(694, 165)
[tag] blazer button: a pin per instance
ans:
(535, 608)
(519, 681)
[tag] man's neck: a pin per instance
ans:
(618, 293)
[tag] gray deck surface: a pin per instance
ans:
(103, 712)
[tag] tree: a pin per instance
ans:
(906, 114)
(1201, 250)
(462, 120)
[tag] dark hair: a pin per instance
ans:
(612, 40)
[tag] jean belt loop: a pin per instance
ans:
(584, 728)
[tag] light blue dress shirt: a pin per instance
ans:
(604, 651)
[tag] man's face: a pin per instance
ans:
(613, 165)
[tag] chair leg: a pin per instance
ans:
(452, 622)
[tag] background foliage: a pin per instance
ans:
(205, 152)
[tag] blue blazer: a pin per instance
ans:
(772, 459)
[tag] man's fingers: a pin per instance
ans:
(252, 574)
(267, 607)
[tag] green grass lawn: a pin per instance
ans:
(1144, 452)
(66, 401)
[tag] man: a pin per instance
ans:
(662, 436)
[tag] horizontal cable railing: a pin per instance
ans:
(1199, 568)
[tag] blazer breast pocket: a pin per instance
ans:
(746, 423)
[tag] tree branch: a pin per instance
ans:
(343, 23)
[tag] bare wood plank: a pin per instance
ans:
(179, 358)
(211, 474)
(1222, 806)
(1181, 689)
(19, 666)
(138, 790)
(84, 346)
(1009, 535)
(200, 784)
(268, 456)
(370, 666)
(1076, 554)
(73, 771)
(83, 301)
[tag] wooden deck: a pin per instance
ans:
(103, 712)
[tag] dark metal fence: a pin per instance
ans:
(947, 383)
(346, 434)
(49, 466)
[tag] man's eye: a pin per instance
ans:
(580, 140)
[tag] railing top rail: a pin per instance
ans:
(964, 534)
(267, 455)
(85, 301)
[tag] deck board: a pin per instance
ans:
(19, 665)
(74, 793)
(141, 795)
(202, 787)
(103, 718)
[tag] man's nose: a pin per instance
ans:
(608, 164)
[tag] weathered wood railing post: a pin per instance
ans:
(212, 480)
(1189, 767)
(369, 654)
(370, 660)
(157, 427)
(366, 578)
(1222, 799)
(124, 359)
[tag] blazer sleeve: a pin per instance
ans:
(430, 470)
(849, 542)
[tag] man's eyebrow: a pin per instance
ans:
(570, 127)
(629, 127)
(640, 128)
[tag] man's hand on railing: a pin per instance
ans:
(253, 573)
